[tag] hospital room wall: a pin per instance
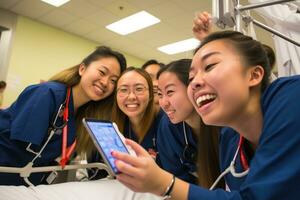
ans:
(39, 51)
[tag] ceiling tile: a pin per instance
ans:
(145, 4)
(80, 27)
(100, 3)
(32, 8)
(7, 4)
(121, 8)
(158, 35)
(79, 8)
(101, 18)
(88, 18)
(58, 18)
(194, 5)
(169, 10)
(184, 20)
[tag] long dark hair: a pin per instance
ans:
(207, 139)
(93, 109)
(149, 116)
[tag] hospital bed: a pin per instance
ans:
(107, 188)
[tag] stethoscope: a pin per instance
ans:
(55, 129)
(189, 155)
(231, 168)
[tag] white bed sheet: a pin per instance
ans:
(106, 189)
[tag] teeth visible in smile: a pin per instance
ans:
(170, 112)
(99, 89)
(203, 98)
(131, 105)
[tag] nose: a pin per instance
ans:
(104, 81)
(197, 82)
(164, 103)
(131, 95)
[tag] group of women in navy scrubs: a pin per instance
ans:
(53, 108)
(228, 86)
(259, 145)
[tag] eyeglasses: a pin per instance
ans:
(124, 91)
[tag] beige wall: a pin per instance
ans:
(39, 51)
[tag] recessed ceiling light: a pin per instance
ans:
(181, 46)
(133, 23)
(56, 3)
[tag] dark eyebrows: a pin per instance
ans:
(169, 85)
(134, 85)
(104, 67)
(208, 55)
(113, 75)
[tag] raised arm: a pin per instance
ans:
(202, 25)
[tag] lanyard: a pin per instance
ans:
(243, 158)
(66, 151)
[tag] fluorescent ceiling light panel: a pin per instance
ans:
(133, 23)
(56, 3)
(181, 46)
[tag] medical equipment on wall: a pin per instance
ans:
(231, 168)
(229, 13)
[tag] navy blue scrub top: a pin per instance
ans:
(275, 166)
(26, 121)
(149, 140)
(171, 144)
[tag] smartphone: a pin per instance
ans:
(107, 139)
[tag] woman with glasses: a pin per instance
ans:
(46, 119)
(259, 151)
(134, 110)
(184, 143)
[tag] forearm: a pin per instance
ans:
(179, 190)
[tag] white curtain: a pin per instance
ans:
(285, 19)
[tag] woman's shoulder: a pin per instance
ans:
(46, 86)
(53, 85)
(283, 84)
(47, 90)
(167, 128)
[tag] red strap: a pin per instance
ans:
(243, 158)
(66, 152)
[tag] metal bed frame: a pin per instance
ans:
(230, 13)
(28, 169)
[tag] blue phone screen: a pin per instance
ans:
(108, 140)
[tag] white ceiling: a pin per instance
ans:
(88, 18)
